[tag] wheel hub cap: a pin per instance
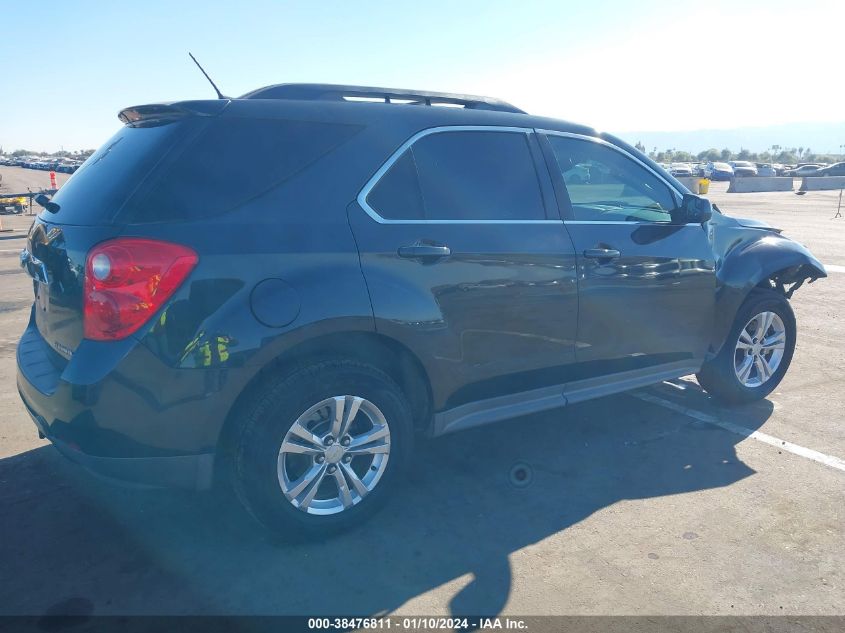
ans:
(334, 453)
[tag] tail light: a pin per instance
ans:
(127, 280)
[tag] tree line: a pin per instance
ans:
(775, 154)
(81, 154)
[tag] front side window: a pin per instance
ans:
(605, 185)
(462, 175)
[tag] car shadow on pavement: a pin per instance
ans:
(77, 546)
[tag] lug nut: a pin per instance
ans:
(346, 441)
(320, 459)
(332, 469)
(347, 459)
(328, 441)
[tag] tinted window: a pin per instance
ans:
(462, 176)
(98, 189)
(605, 185)
(397, 195)
(233, 161)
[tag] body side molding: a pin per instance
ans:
(513, 405)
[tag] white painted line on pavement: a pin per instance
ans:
(827, 460)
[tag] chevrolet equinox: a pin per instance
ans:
(280, 291)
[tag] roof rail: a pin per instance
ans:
(331, 92)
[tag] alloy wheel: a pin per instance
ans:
(333, 455)
(759, 349)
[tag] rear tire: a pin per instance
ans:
(294, 476)
(756, 353)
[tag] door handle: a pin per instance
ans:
(424, 251)
(602, 253)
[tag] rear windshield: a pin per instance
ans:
(101, 186)
(192, 168)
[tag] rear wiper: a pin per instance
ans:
(48, 204)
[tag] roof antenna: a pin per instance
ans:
(213, 85)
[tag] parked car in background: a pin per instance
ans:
(766, 170)
(67, 166)
(45, 163)
(720, 171)
(837, 169)
(680, 169)
(180, 332)
(700, 169)
(803, 170)
(743, 168)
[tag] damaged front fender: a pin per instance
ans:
(750, 257)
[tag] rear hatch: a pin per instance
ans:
(171, 163)
(93, 208)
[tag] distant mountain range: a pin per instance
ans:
(821, 138)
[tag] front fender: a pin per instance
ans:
(748, 259)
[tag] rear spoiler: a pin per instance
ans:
(159, 113)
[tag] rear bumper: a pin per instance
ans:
(122, 413)
(194, 472)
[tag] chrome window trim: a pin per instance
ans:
(601, 141)
(365, 191)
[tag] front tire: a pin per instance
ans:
(322, 447)
(756, 353)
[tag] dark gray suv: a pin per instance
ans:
(279, 291)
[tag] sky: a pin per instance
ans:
(619, 66)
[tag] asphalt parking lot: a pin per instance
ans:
(652, 502)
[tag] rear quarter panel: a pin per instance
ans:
(298, 234)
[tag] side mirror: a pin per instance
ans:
(696, 209)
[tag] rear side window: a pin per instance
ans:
(397, 195)
(233, 161)
(465, 175)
